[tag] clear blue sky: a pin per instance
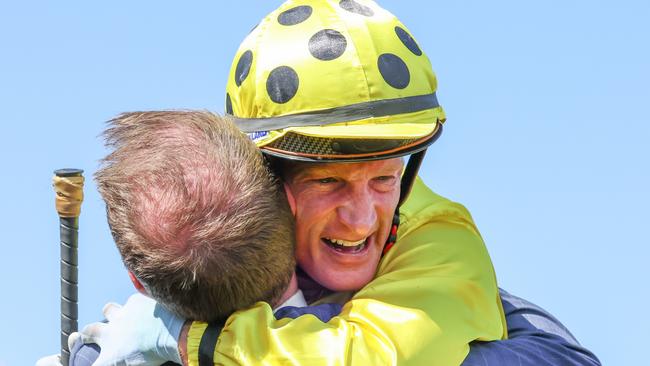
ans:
(546, 143)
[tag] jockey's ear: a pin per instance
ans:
(137, 284)
(290, 198)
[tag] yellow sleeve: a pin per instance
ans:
(435, 291)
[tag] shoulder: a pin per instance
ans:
(424, 206)
(436, 235)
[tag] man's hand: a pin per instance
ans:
(140, 332)
(54, 360)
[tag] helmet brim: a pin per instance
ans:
(402, 149)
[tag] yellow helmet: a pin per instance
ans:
(330, 80)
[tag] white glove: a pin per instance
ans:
(54, 360)
(138, 333)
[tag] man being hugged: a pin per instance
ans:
(184, 194)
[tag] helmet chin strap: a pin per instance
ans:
(408, 178)
(410, 172)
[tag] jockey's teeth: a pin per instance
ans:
(346, 243)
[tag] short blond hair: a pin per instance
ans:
(195, 212)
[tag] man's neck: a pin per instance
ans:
(290, 291)
(311, 289)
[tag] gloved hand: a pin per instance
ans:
(53, 360)
(140, 332)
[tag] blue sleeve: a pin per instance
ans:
(324, 312)
(83, 354)
(536, 338)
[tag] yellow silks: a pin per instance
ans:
(435, 291)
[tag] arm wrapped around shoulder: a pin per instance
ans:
(440, 283)
(434, 293)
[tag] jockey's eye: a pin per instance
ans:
(327, 180)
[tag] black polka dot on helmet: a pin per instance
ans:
(295, 15)
(408, 41)
(327, 44)
(355, 7)
(282, 84)
(243, 67)
(394, 70)
(228, 104)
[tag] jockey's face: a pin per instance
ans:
(344, 213)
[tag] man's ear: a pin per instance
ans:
(290, 199)
(137, 284)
